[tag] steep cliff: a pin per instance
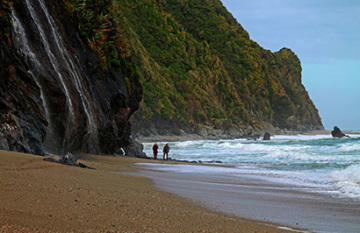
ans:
(201, 70)
(58, 94)
(70, 74)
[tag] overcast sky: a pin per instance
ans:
(325, 34)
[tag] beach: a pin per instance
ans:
(40, 196)
(303, 181)
(259, 199)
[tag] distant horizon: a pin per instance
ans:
(324, 35)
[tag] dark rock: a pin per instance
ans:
(266, 136)
(135, 149)
(213, 161)
(85, 166)
(37, 112)
(68, 159)
(3, 142)
(120, 152)
(336, 133)
(253, 137)
(52, 160)
(22, 118)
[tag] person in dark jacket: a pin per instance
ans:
(155, 150)
(166, 151)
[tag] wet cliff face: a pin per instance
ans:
(55, 97)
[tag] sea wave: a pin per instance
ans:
(350, 147)
(347, 180)
(313, 160)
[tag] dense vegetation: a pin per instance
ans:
(99, 22)
(5, 20)
(200, 66)
(195, 62)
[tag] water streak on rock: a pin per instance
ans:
(54, 61)
(52, 99)
(73, 70)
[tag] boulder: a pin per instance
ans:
(266, 136)
(336, 133)
(135, 149)
(68, 159)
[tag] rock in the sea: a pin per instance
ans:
(336, 133)
(266, 136)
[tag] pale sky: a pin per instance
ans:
(325, 34)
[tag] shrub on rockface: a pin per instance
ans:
(5, 17)
(99, 23)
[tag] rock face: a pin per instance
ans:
(203, 74)
(55, 97)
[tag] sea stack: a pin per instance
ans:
(336, 133)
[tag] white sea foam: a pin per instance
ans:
(348, 180)
(350, 147)
(326, 164)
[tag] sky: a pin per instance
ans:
(325, 35)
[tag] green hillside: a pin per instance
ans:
(197, 65)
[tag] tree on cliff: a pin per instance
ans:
(201, 67)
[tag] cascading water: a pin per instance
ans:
(65, 69)
(52, 58)
(24, 49)
(74, 71)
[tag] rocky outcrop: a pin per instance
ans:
(266, 136)
(202, 73)
(134, 149)
(23, 122)
(68, 159)
(55, 96)
(337, 133)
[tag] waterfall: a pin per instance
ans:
(64, 66)
(73, 70)
(51, 56)
(23, 48)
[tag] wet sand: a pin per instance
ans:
(39, 196)
(259, 199)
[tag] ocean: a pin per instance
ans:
(316, 163)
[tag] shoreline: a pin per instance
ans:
(197, 137)
(39, 196)
(255, 198)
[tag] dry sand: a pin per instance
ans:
(39, 196)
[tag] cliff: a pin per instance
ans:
(71, 72)
(57, 92)
(201, 73)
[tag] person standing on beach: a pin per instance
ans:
(166, 151)
(155, 150)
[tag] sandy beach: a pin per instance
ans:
(39, 196)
